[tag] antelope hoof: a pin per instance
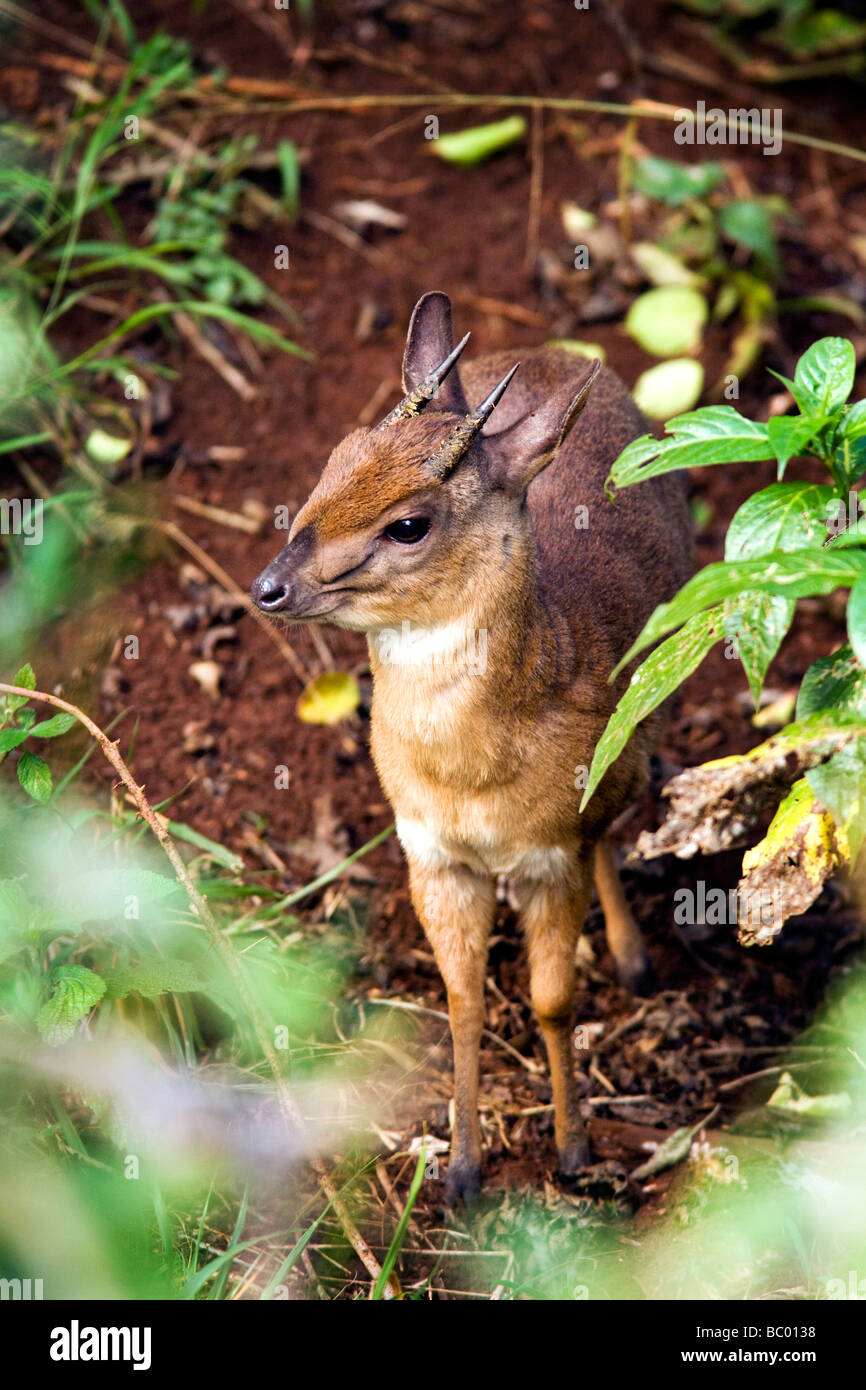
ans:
(638, 977)
(573, 1159)
(462, 1182)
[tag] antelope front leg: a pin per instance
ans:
(553, 914)
(455, 908)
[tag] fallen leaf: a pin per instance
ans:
(329, 698)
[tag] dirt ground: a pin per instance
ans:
(722, 1011)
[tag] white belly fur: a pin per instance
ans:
(539, 864)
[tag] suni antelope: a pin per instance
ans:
(449, 521)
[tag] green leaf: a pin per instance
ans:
(75, 991)
(469, 147)
(749, 223)
(53, 727)
(833, 682)
(849, 453)
(758, 624)
(825, 374)
(675, 183)
(715, 434)
(668, 321)
(820, 31)
(783, 516)
(290, 176)
(857, 620)
(853, 423)
(35, 777)
(789, 435)
(651, 684)
(796, 575)
(661, 268)
(27, 679)
(840, 786)
(836, 685)
(152, 977)
(21, 920)
(218, 852)
(670, 388)
(10, 738)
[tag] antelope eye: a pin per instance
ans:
(408, 529)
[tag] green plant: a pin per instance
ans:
(711, 241)
(63, 246)
(789, 540)
(818, 38)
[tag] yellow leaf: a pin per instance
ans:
(329, 698)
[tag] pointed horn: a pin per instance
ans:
(423, 393)
(449, 454)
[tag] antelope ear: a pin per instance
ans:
(428, 342)
(520, 452)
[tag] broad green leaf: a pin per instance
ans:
(749, 223)
(783, 516)
(56, 725)
(469, 147)
(34, 774)
(10, 738)
(675, 183)
(789, 435)
(825, 373)
(857, 620)
(715, 434)
(670, 388)
(669, 321)
(833, 682)
(651, 684)
(159, 975)
(75, 991)
(758, 623)
(792, 575)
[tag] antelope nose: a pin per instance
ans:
(268, 593)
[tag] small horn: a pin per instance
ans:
(424, 392)
(449, 454)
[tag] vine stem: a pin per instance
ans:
(227, 954)
(437, 101)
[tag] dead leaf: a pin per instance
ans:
(207, 674)
(329, 698)
(783, 875)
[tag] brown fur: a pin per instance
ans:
(481, 765)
